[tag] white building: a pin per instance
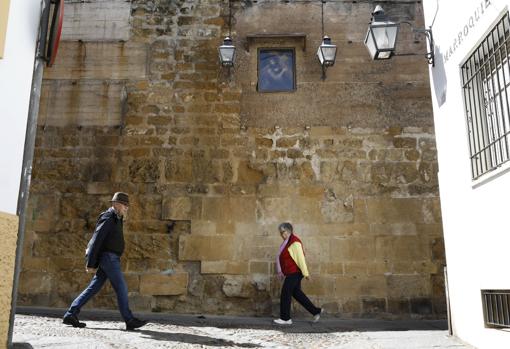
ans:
(19, 24)
(471, 97)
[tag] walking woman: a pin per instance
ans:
(291, 264)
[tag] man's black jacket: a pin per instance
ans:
(108, 236)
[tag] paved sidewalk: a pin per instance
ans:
(43, 328)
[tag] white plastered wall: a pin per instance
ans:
(16, 68)
(476, 218)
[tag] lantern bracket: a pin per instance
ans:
(428, 33)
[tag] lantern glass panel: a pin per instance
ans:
(227, 53)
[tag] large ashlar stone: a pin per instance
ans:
(85, 103)
(206, 248)
(177, 208)
(97, 20)
(146, 171)
(200, 227)
(393, 210)
(59, 244)
(354, 287)
(322, 286)
(352, 249)
(224, 267)
(178, 169)
(35, 282)
(336, 211)
(247, 174)
(152, 246)
(241, 209)
(403, 248)
(164, 285)
(400, 172)
(237, 287)
(43, 210)
(408, 285)
(100, 61)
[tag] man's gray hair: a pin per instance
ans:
(286, 226)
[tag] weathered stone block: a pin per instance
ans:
(178, 169)
(83, 103)
(422, 306)
(332, 268)
(224, 267)
(352, 249)
(164, 285)
(322, 286)
(99, 188)
(223, 209)
(402, 248)
(144, 171)
(408, 286)
(237, 287)
(208, 248)
(357, 286)
(176, 208)
(152, 246)
(99, 61)
(390, 210)
(247, 174)
(99, 20)
(257, 267)
(34, 282)
(59, 244)
(200, 227)
(372, 305)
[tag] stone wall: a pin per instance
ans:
(9, 233)
(213, 166)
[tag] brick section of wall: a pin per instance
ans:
(212, 170)
(9, 233)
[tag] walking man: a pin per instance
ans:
(103, 258)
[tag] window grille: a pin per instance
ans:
(496, 308)
(486, 81)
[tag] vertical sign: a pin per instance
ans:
(4, 14)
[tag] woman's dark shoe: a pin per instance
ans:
(73, 321)
(134, 323)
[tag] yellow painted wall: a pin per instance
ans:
(4, 14)
(8, 234)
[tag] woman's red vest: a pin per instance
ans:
(286, 262)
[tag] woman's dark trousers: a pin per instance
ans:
(292, 288)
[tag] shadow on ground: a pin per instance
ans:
(194, 339)
(325, 325)
(21, 346)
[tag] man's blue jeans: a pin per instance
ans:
(109, 268)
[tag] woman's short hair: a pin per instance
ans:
(286, 226)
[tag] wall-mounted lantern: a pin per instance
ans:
(327, 50)
(227, 51)
(381, 38)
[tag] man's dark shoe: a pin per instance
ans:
(134, 323)
(73, 321)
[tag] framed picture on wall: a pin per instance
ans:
(276, 70)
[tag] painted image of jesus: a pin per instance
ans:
(276, 70)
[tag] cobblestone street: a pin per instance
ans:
(231, 332)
